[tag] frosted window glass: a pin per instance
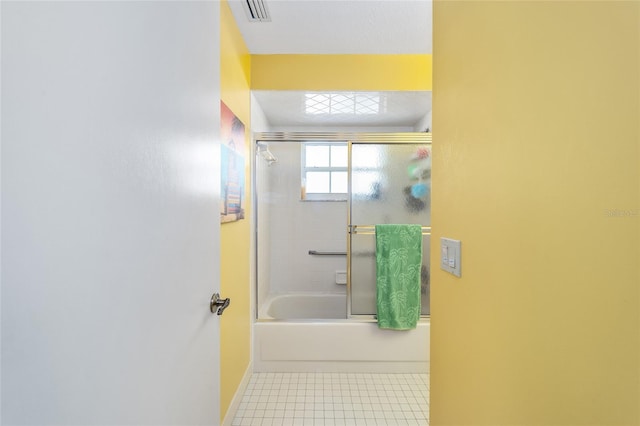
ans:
(317, 182)
(339, 156)
(339, 182)
(317, 156)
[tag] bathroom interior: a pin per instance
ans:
(331, 158)
(327, 168)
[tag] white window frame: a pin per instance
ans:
(320, 196)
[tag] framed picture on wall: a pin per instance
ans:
(231, 166)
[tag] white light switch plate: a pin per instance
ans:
(450, 256)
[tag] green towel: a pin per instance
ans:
(398, 264)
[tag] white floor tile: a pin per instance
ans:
(334, 399)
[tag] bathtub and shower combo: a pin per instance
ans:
(317, 199)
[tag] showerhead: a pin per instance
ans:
(263, 150)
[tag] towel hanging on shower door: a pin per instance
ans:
(398, 265)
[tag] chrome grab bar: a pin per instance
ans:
(327, 253)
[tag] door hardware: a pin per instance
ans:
(217, 304)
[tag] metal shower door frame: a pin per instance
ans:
(351, 139)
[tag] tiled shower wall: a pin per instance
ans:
(295, 227)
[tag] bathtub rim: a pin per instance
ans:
(354, 319)
(265, 333)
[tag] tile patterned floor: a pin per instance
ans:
(335, 399)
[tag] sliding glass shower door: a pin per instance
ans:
(389, 184)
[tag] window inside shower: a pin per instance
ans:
(323, 171)
(309, 235)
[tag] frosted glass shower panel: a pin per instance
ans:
(363, 274)
(390, 184)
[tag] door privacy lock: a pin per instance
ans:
(218, 305)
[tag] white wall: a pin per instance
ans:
(110, 188)
(424, 123)
(259, 122)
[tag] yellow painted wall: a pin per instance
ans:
(341, 72)
(536, 170)
(235, 324)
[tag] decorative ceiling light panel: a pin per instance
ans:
(342, 103)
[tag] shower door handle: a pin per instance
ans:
(217, 304)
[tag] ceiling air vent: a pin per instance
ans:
(256, 10)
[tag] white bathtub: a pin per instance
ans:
(305, 306)
(311, 344)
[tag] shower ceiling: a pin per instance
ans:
(301, 108)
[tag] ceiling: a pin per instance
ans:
(340, 27)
